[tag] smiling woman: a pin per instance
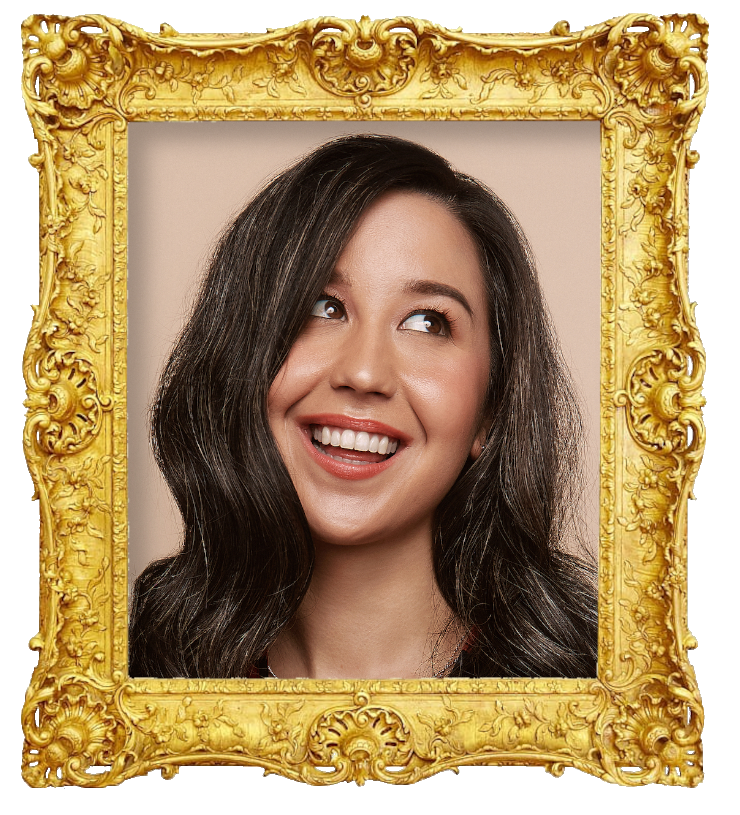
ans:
(371, 438)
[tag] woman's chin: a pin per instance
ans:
(360, 533)
(357, 535)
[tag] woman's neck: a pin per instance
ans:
(372, 611)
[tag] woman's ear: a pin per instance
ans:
(479, 442)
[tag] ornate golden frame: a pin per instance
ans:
(86, 721)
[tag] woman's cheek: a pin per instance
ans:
(449, 399)
(305, 365)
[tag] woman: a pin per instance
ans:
(371, 438)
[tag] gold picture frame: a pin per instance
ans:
(86, 722)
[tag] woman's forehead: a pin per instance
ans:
(411, 242)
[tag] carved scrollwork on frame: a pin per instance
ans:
(68, 411)
(657, 736)
(664, 401)
(364, 59)
(361, 742)
(70, 67)
(653, 66)
(644, 79)
(70, 727)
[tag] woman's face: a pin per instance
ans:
(380, 401)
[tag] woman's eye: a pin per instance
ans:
(329, 309)
(427, 321)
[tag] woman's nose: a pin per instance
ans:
(364, 363)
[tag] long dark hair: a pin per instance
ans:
(246, 560)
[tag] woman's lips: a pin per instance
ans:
(351, 448)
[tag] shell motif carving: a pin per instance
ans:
(68, 411)
(363, 59)
(660, 734)
(68, 64)
(663, 401)
(360, 742)
(68, 732)
(653, 67)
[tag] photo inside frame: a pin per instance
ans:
(186, 181)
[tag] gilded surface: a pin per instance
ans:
(85, 721)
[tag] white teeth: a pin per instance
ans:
(349, 440)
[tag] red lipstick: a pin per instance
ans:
(342, 469)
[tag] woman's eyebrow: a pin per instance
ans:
(338, 279)
(440, 289)
(414, 287)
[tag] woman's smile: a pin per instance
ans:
(351, 448)
(380, 402)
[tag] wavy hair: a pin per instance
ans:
(214, 608)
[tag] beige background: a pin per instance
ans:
(186, 180)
